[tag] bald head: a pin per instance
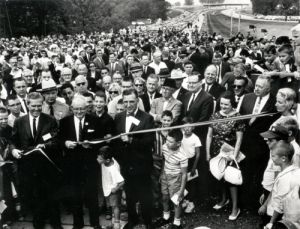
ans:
(81, 84)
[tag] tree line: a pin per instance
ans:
(273, 7)
(42, 17)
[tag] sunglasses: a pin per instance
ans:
(139, 85)
(113, 92)
(80, 84)
(237, 86)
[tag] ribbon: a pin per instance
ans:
(44, 154)
(236, 118)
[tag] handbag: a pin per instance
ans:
(217, 166)
(233, 175)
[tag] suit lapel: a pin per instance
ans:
(27, 127)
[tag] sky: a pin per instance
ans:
(197, 2)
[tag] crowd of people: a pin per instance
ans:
(61, 94)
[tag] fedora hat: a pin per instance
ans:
(48, 85)
(169, 83)
(177, 74)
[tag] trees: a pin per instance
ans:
(189, 2)
(269, 7)
(41, 17)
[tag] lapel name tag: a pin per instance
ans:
(47, 137)
(90, 130)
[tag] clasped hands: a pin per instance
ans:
(71, 144)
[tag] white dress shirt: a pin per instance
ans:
(263, 102)
(129, 121)
(196, 94)
(23, 104)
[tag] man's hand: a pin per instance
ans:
(268, 226)
(114, 190)
(126, 138)
(193, 171)
(86, 144)
(262, 199)
(17, 153)
(70, 144)
(40, 146)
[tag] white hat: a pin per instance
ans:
(48, 85)
(177, 74)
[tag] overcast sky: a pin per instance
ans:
(226, 1)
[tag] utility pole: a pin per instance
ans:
(231, 22)
(239, 27)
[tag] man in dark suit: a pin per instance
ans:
(178, 76)
(211, 86)
(81, 167)
(114, 66)
(198, 104)
(98, 60)
(222, 66)
(134, 153)
(253, 145)
(147, 70)
(151, 92)
(39, 179)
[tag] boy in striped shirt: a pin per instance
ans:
(174, 176)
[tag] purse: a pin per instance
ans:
(217, 167)
(233, 175)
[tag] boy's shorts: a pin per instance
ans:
(114, 199)
(170, 184)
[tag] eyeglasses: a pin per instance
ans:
(113, 92)
(80, 84)
(139, 85)
(237, 86)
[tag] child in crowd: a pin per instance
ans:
(112, 182)
(191, 146)
(161, 136)
(120, 106)
(286, 180)
(173, 178)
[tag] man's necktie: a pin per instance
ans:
(192, 101)
(80, 134)
(25, 105)
(34, 127)
(51, 110)
(255, 110)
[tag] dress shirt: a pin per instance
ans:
(239, 101)
(129, 121)
(207, 87)
(31, 123)
(24, 106)
(263, 102)
(193, 97)
(175, 94)
(151, 97)
(77, 121)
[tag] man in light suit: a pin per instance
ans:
(114, 66)
(39, 179)
(51, 105)
(81, 167)
(134, 152)
(253, 145)
(166, 102)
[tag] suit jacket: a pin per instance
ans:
(253, 144)
(215, 90)
(135, 157)
(146, 101)
(181, 94)
(80, 162)
(225, 67)
(22, 139)
(200, 110)
(60, 109)
(99, 63)
(173, 105)
(149, 71)
(118, 67)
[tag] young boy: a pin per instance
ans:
(286, 180)
(112, 182)
(173, 178)
(166, 121)
(14, 107)
(191, 146)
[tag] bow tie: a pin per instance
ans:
(129, 114)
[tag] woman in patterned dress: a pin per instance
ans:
(230, 132)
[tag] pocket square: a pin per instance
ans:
(90, 130)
